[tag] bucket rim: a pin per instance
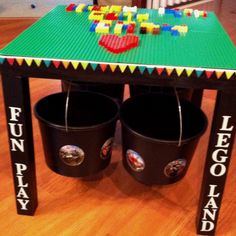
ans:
(73, 128)
(155, 140)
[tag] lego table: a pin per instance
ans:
(61, 46)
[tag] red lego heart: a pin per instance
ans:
(116, 44)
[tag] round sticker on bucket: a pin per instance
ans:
(106, 149)
(135, 161)
(71, 155)
(175, 168)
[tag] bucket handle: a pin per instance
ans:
(180, 117)
(66, 106)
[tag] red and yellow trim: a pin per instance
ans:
(158, 69)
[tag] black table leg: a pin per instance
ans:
(18, 111)
(218, 158)
(197, 97)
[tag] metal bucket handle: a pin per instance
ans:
(180, 117)
(66, 106)
(178, 104)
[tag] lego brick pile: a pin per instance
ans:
(118, 20)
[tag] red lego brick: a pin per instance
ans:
(96, 8)
(116, 44)
(204, 14)
(102, 40)
(111, 16)
(156, 31)
(70, 7)
(130, 29)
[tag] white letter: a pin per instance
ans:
(210, 214)
(23, 203)
(15, 143)
(13, 129)
(225, 124)
(22, 193)
(221, 141)
(212, 191)
(221, 172)
(15, 112)
(20, 181)
(211, 203)
(204, 226)
(20, 167)
(221, 158)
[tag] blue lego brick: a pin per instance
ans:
(178, 14)
(74, 7)
(166, 27)
(121, 16)
(93, 27)
(86, 8)
(125, 27)
(175, 33)
(169, 11)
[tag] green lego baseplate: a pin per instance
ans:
(65, 36)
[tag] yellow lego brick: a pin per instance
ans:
(180, 28)
(90, 17)
(80, 8)
(90, 8)
(150, 29)
(105, 8)
(115, 8)
(139, 17)
(156, 26)
(148, 25)
(201, 13)
(146, 16)
(129, 17)
(96, 15)
(119, 26)
(129, 22)
(109, 22)
(118, 29)
(106, 30)
(142, 17)
(102, 11)
(176, 27)
(143, 24)
(102, 30)
(188, 10)
(183, 29)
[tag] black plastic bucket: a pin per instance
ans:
(152, 151)
(115, 91)
(83, 146)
